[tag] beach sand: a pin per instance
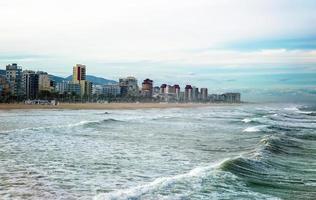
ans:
(104, 106)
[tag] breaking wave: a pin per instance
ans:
(255, 128)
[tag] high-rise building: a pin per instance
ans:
(204, 94)
(129, 86)
(147, 88)
(177, 91)
(195, 93)
(44, 82)
(156, 90)
(170, 90)
(188, 93)
(232, 97)
(62, 87)
(14, 77)
(111, 90)
(4, 86)
(79, 73)
(79, 77)
(163, 89)
(74, 89)
(30, 84)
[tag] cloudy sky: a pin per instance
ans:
(258, 47)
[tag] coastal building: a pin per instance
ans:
(170, 90)
(14, 77)
(53, 85)
(156, 90)
(147, 88)
(217, 98)
(30, 84)
(79, 77)
(44, 82)
(74, 89)
(232, 97)
(204, 94)
(171, 93)
(4, 86)
(88, 88)
(97, 90)
(195, 93)
(79, 73)
(128, 86)
(181, 96)
(62, 87)
(188, 93)
(163, 89)
(177, 91)
(111, 90)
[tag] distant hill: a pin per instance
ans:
(94, 79)
(57, 79)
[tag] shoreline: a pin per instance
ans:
(109, 106)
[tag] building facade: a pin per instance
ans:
(62, 87)
(195, 93)
(14, 77)
(147, 88)
(4, 86)
(44, 82)
(30, 84)
(128, 86)
(232, 97)
(204, 94)
(74, 89)
(188, 93)
(79, 73)
(111, 90)
(79, 77)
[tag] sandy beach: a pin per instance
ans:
(105, 106)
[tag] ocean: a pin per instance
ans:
(251, 151)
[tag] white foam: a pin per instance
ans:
(48, 127)
(246, 120)
(253, 129)
(293, 108)
(297, 110)
(159, 183)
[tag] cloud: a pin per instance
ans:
(304, 43)
(115, 29)
(207, 43)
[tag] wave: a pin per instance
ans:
(159, 183)
(101, 122)
(277, 165)
(255, 128)
(311, 113)
(306, 110)
(72, 125)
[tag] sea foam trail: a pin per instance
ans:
(254, 129)
(71, 125)
(159, 183)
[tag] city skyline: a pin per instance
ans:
(33, 87)
(263, 47)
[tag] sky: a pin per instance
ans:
(262, 48)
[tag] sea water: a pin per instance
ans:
(254, 151)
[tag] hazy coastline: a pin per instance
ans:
(108, 106)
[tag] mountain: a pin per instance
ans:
(57, 79)
(94, 79)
